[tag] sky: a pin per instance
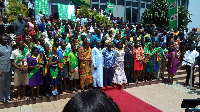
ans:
(194, 8)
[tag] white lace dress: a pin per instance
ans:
(119, 73)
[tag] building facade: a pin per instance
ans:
(131, 9)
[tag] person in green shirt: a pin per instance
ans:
(73, 68)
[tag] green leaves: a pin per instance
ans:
(158, 14)
(14, 8)
(88, 13)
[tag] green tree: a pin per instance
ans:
(88, 13)
(158, 14)
(14, 8)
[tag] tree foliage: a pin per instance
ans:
(88, 13)
(14, 8)
(158, 14)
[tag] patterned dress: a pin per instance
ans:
(138, 57)
(85, 69)
(119, 74)
(176, 47)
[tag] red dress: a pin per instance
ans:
(138, 57)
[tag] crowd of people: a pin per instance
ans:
(49, 53)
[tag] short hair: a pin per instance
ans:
(171, 49)
(63, 41)
(19, 42)
(10, 28)
(119, 43)
(23, 36)
(85, 41)
(34, 36)
(33, 49)
(56, 39)
(3, 35)
(91, 101)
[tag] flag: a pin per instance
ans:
(110, 7)
(173, 13)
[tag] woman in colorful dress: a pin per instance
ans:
(150, 62)
(175, 44)
(172, 64)
(138, 60)
(84, 55)
(55, 77)
(119, 73)
(35, 71)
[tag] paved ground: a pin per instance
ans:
(167, 98)
(54, 106)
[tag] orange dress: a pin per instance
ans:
(85, 69)
(138, 57)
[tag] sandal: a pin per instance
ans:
(26, 98)
(82, 90)
(33, 98)
(18, 98)
(76, 90)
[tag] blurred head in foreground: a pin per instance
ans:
(91, 101)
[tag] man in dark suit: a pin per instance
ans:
(129, 62)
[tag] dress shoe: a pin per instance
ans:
(76, 90)
(111, 84)
(9, 99)
(47, 95)
(4, 101)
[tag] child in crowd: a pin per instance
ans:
(35, 71)
(73, 68)
(55, 77)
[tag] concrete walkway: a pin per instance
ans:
(167, 98)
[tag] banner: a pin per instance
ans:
(173, 13)
(63, 11)
(42, 5)
(110, 7)
(66, 12)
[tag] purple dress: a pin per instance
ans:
(37, 78)
(174, 66)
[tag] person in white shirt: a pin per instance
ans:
(190, 59)
(49, 39)
(19, 59)
(39, 17)
(30, 8)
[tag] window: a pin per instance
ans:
(134, 14)
(95, 0)
(148, 6)
(128, 14)
(120, 2)
(96, 6)
(113, 1)
(134, 4)
(148, 0)
(128, 3)
(103, 7)
(103, 1)
(142, 5)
